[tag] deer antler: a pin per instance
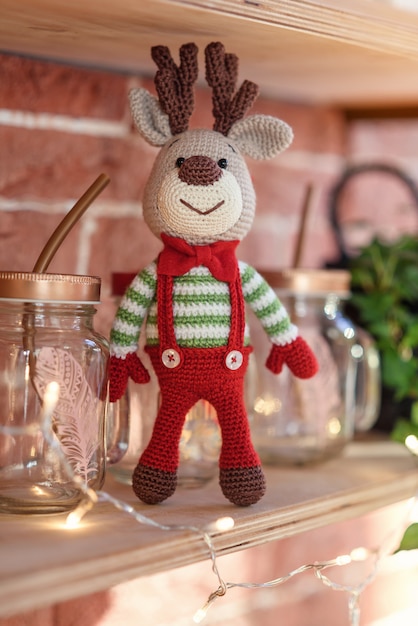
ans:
(221, 75)
(174, 84)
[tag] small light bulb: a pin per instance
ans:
(224, 523)
(51, 395)
(360, 554)
(344, 559)
(74, 518)
(221, 525)
(200, 615)
(411, 443)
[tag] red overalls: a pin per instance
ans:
(185, 376)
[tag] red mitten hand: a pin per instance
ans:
(136, 370)
(119, 372)
(298, 357)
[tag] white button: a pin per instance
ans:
(170, 358)
(234, 359)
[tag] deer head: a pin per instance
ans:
(200, 188)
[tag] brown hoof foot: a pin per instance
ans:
(243, 486)
(153, 485)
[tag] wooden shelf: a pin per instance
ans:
(356, 52)
(42, 562)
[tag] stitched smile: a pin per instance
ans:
(190, 206)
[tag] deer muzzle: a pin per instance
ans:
(199, 170)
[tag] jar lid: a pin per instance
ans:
(34, 287)
(310, 281)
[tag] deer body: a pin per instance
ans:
(200, 201)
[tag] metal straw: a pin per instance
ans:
(300, 241)
(46, 256)
(68, 222)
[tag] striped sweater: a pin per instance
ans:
(201, 308)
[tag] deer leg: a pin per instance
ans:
(241, 477)
(155, 476)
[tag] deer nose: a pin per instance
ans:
(199, 170)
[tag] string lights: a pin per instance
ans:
(90, 498)
(358, 554)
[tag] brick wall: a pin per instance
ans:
(60, 127)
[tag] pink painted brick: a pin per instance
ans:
(385, 140)
(84, 611)
(23, 235)
(122, 245)
(44, 86)
(38, 617)
(49, 164)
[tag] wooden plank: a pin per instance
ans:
(43, 562)
(375, 24)
(316, 51)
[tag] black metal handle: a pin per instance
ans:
(347, 175)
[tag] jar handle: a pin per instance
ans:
(369, 389)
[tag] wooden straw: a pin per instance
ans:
(300, 241)
(68, 222)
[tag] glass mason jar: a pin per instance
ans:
(47, 340)
(298, 421)
(200, 441)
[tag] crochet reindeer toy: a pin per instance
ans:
(200, 201)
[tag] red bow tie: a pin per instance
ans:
(178, 257)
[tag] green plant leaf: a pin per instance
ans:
(385, 302)
(399, 374)
(409, 540)
(414, 414)
(402, 429)
(411, 335)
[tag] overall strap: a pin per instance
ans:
(165, 312)
(237, 329)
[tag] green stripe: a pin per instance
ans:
(122, 339)
(203, 342)
(258, 293)
(278, 328)
(270, 309)
(202, 320)
(247, 275)
(198, 321)
(210, 298)
(194, 343)
(138, 298)
(131, 318)
(149, 279)
(196, 279)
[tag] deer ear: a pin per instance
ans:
(261, 136)
(149, 118)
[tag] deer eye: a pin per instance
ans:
(180, 161)
(223, 163)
